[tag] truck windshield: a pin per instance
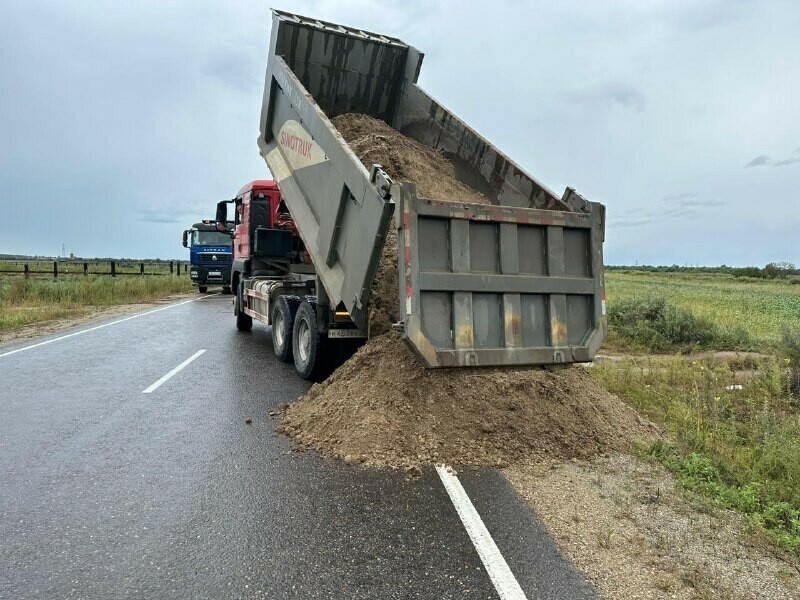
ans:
(210, 238)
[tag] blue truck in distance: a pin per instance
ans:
(210, 255)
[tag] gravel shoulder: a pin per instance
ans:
(626, 526)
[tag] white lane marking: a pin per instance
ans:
(158, 383)
(503, 579)
(82, 331)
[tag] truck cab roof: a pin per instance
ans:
(257, 184)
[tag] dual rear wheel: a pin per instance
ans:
(296, 336)
(283, 315)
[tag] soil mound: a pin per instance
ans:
(382, 407)
(404, 159)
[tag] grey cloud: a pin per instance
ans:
(615, 93)
(159, 219)
(690, 200)
(678, 197)
(634, 222)
(668, 207)
(699, 203)
(171, 216)
(761, 159)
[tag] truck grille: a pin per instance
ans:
(215, 258)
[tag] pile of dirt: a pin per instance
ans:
(375, 142)
(404, 160)
(382, 407)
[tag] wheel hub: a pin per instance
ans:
(279, 328)
(304, 340)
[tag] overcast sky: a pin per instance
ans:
(123, 122)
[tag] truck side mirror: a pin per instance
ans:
(186, 239)
(222, 216)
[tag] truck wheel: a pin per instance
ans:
(308, 346)
(283, 326)
(202, 289)
(243, 322)
(226, 290)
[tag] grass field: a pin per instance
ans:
(760, 307)
(34, 300)
(733, 421)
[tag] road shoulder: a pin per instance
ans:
(635, 535)
(92, 314)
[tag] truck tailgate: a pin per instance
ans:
(496, 285)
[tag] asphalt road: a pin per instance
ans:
(109, 492)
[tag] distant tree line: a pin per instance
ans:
(773, 270)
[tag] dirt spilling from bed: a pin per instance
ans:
(383, 408)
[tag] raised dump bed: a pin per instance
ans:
(513, 283)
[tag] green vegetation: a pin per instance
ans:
(735, 427)
(675, 311)
(653, 324)
(27, 301)
(733, 420)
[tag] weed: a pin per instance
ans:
(790, 345)
(604, 540)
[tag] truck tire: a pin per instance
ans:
(243, 322)
(202, 289)
(226, 289)
(308, 346)
(283, 326)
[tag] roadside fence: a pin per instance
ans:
(113, 268)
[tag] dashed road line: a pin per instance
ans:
(499, 572)
(82, 331)
(166, 377)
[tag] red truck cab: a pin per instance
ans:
(274, 281)
(265, 215)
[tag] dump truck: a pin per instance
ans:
(209, 255)
(517, 282)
